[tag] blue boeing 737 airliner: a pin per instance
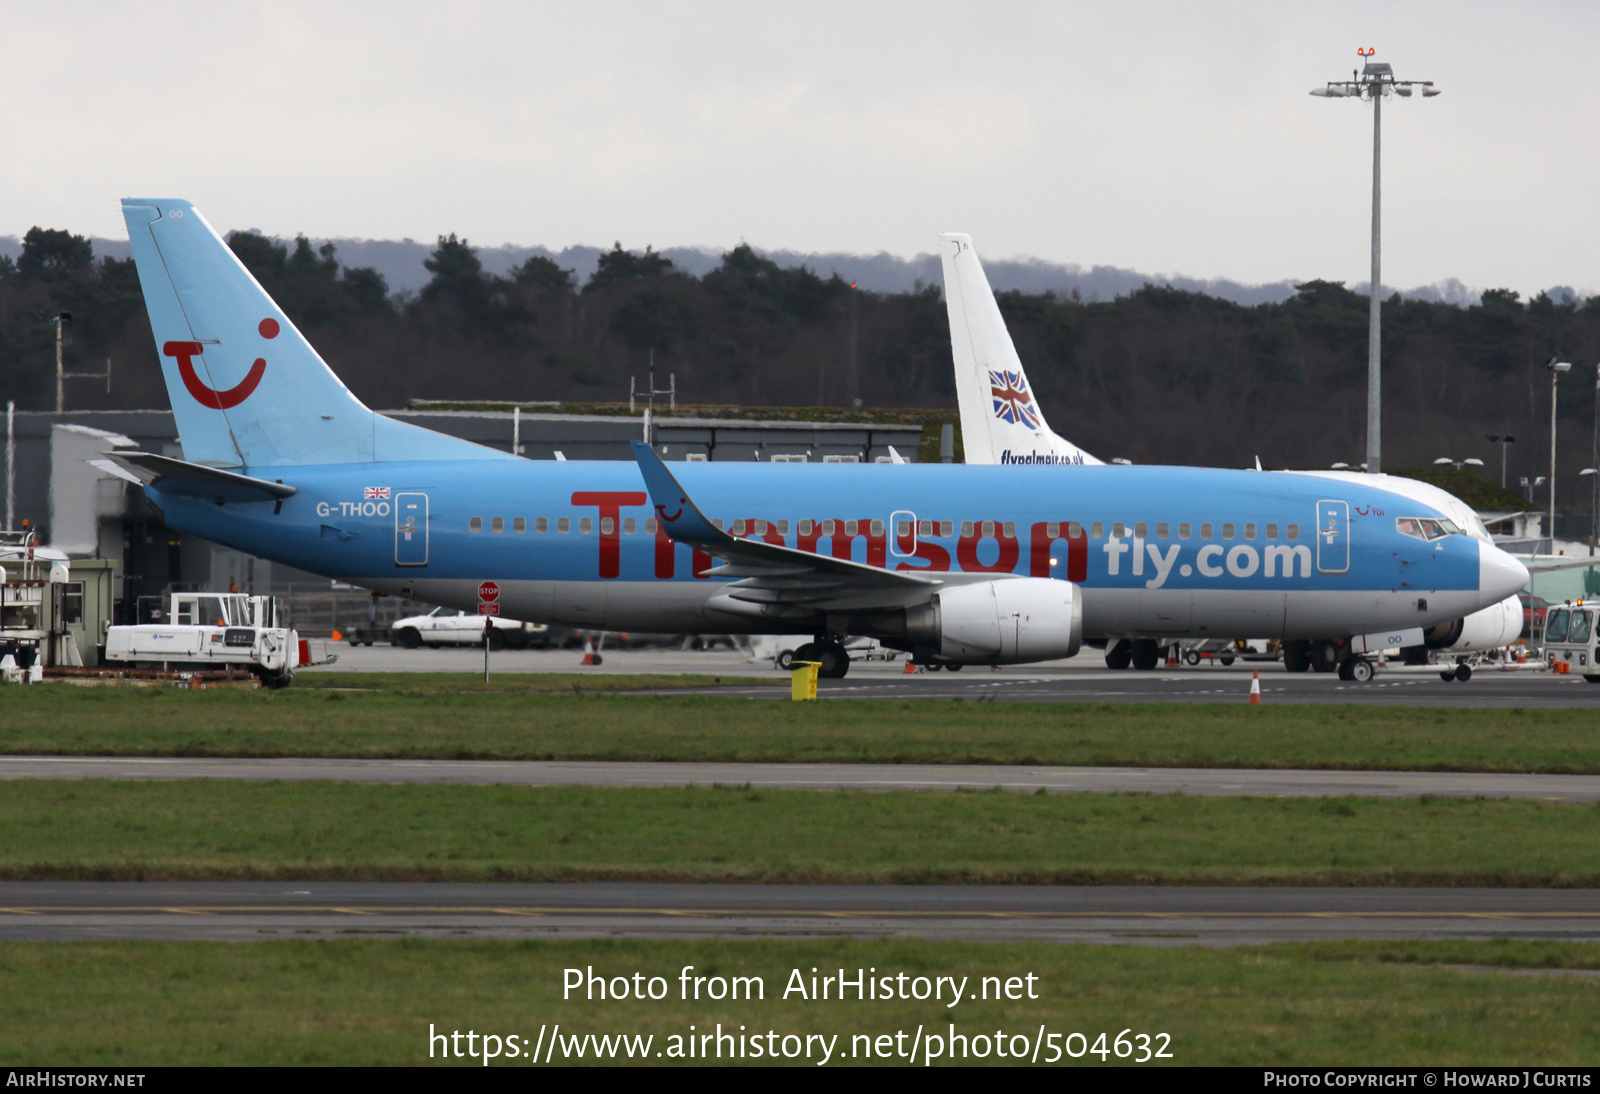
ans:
(956, 564)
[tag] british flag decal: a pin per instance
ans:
(1012, 402)
(380, 493)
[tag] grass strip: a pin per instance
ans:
(357, 1001)
(203, 830)
(451, 723)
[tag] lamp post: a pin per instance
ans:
(1593, 476)
(1504, 439)
(1556, 369)
(1594, 462)
(60, 320)
(1373, 83)
(1471, 461)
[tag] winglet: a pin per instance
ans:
(681, 519)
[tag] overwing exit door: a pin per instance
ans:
(411, 529)
(1333, 537)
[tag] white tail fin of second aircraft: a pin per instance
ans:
(1000, 420)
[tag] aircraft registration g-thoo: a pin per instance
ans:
(1002, 424)
(956, 564)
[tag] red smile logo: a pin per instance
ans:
(203, 393)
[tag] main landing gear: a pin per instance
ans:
(834, 662)
(1143, 654)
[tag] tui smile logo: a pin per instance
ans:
(205, 394)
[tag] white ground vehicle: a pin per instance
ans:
(449, 627)
(213, 631)
(1570, 641)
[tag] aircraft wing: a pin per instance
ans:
(773, 581)
(1544, 564)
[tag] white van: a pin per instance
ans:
(1570, 640)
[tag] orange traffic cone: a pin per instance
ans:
(1255, 688)
(1172, 656)
(588, 654)
(910, 669)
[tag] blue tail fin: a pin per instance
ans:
(246, 387)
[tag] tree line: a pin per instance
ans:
(1157, 375)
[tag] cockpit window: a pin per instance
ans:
(1426, 528)
(1555, 626)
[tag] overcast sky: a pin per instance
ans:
(1167, 137)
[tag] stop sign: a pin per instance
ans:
(488, 592)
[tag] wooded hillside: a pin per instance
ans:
(1160, 375)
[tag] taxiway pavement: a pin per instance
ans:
(242, 911)
(823, 776)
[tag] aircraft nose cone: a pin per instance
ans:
(1499, 575)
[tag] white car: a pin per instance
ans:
(450, 627)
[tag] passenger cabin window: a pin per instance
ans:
(1163, 531)
(1205, 531)
(737, 529)
(828, 527)
(877, 527)
(475, 524)
(1141, 530)
(805, 527)
(1227, 531)
(1272, 531)
(1249, 531)
(585, 525)
(649, 526)
(1578, 629)
(783, 527)
(1183, 531)
(1097, 530)
(925, 528)
(1555, 626)
(563, 525)
(946, 528)
(715, 523)
(497, 525)
(849, 527)
(966, 529)
(1292, 532)
(519, 525)
(1011, 529)
(1074, 530)
(1119, 530)
(628, 525)
(541, 524)
(607, 526)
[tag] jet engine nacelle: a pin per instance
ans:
(1485, 629)
(1004, 622)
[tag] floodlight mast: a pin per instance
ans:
(1373, 83)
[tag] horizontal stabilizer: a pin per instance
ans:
(172, 476)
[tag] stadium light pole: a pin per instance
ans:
(1504, 439)
(1373, 83)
